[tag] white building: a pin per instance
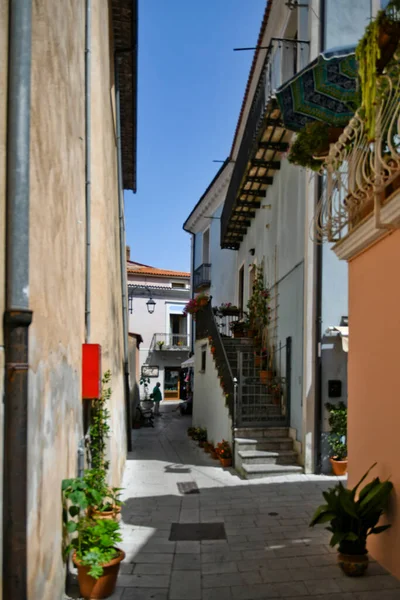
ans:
(266, 219)
(164, 328)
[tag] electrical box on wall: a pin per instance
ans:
(91, 371)
(334, 388)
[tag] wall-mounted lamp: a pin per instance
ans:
(252, 251)
(151, 305)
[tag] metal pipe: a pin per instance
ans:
(88, 183)
(192, 325)
(122, 254)
(18, 317)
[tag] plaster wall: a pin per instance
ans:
(374, 409)
(223, 265)
(57, 267)
(3, 154)
(278, 239)
(209, 403)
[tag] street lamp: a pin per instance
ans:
(150, 305)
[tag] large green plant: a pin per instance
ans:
(258, 305)
(337, 437)
(309, 142)
(99, 430)
(94, 542)
(352, 519)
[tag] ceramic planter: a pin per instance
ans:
(339, 467)
(103, 587)
(114, 513)
(353, 565)
(225, 462)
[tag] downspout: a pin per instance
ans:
(192, 326)
(17, 316)
(122, 256)
(88, 183)
(318, 301)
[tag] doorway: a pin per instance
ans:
(172, 383)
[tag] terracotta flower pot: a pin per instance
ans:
(214, 455)
(353, 565)
(113, 513)
(207, 448)
(238, 333)
(339, 467)
(225, 462)
(265, 376)
(103, 587)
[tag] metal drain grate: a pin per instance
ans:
(188, 487)
(196, 532)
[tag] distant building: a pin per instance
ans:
(163, 326)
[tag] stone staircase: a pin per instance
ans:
(260, 451)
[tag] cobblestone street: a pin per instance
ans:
(269, 551)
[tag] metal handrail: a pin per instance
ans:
(202, 276)
(169, 341)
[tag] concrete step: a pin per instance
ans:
(256, 471)
(267, 444)
(262, 457)
(261, 432)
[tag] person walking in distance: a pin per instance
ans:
(157, 397)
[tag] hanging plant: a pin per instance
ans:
(311, 144)
(373, 52)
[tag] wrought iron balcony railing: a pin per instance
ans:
(170, 342)
(280, 64)
(363, 174)
(202, 277)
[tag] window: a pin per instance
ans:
(178, 285)
(203, 358)
(206, 247)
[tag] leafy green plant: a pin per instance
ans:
(223, 449)
(99, 430)
(94, 543)
(258, 305)
(310, 142)
(353, 520)
(337, 437)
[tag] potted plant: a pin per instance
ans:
(260, 356)
(276, 390)
(224, 453)
(191, 431)
(96, 555)
(160, 344)
(207, 447)
(312, 144)
(226, 309)
(213, 453)
(196, 304)
(202, 436)
(337, 438)
(238, 328)
(353, 515)
(91, 494)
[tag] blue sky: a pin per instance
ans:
(191, 86)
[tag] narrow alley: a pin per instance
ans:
(267, 551)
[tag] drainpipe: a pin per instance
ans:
(122, 256)
(318, 311)
(88, 183)
(17, 316)
(192, 326)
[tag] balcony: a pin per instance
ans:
(363, 175)
(202, 277)
(264, 140)
(170, 342)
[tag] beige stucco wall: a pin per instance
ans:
(106, 276)
(3, 136)
(57, 268)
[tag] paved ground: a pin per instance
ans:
(269, 553)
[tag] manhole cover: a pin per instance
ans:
(196, 532)
(188, 487)
(273, 514)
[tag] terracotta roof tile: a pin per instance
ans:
(137, 269)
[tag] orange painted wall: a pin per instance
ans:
(374, 379)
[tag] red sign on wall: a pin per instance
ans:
(91, 371)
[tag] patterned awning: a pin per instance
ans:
(326, 90)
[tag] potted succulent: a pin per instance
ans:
(353, 515)
(337, 438)
(96, 555)
(224, 453)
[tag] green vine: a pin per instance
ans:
(258, 305)
(368, 53)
